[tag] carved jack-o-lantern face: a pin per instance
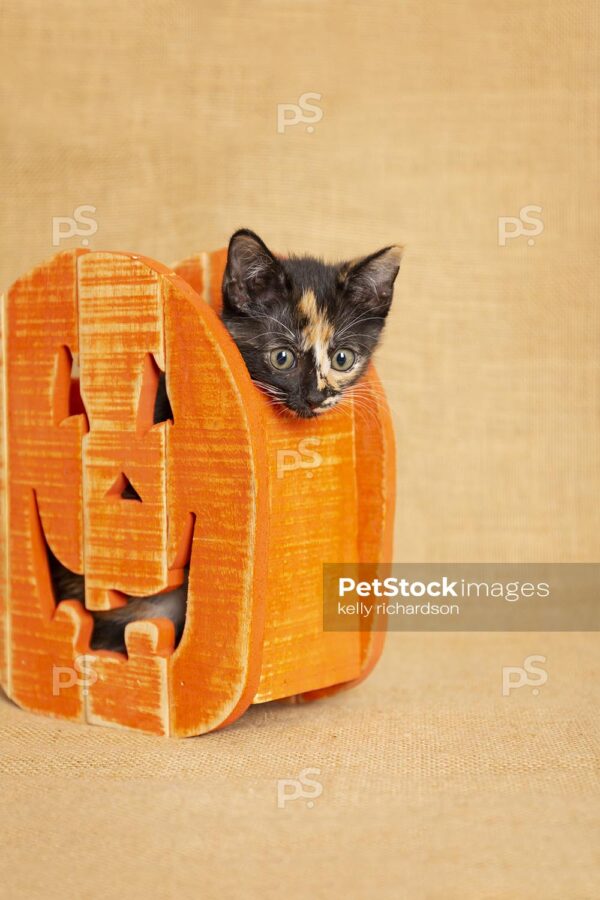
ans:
(129, 501)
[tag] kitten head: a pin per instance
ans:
(305, 329)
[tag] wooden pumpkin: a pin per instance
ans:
(212, 494)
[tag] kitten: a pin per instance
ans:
(306, 330)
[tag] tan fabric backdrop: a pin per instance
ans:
(437, 119)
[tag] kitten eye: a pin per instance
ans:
(282, 359)
(342, 360)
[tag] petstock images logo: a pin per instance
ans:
(462, 597)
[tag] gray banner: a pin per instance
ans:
(462, 597)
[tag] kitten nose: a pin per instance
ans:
(315, 397)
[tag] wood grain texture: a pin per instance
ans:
(133, 692)
(252, 501)
(204, 273)
(211, 476)
(217, 468)
(375, 470)
(45, 488)
(121, 332)
(314, 520)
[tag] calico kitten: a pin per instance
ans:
(306, 330)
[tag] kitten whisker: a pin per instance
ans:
(256, 314)
(282, 333)
(367, 390)
(356, 321)
(274, 392)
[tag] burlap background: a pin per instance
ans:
(437, 119)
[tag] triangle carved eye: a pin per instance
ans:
(154, 405)
(66, 399)
(162, 404)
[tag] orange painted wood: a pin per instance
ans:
(215, 493)
(133, 692)
(314, 520)
(121, 339)
(44, 487)
(376, 485)
(216, 489)
(204, 273)
(218, 472)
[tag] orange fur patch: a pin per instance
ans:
(316, 335)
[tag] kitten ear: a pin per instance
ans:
(370, 281)
(252, 274)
